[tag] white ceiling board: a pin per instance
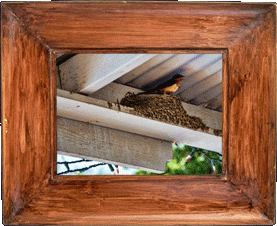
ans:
(163, 69)
(200, 75)
(201, 86)
(88, 73)
(145, 71)
(143, 68)
(200, 63)
(208, 95)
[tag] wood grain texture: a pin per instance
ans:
(195, 200)
(53, 114)
(138, 24)
(246, 31)
(114, 146)
(25, 116)
(225, 114)
(252, 128)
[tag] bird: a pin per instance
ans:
(167, 87)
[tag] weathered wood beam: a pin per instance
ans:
(104, 113)
(87, 73)
(112, 146)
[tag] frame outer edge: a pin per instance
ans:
(22, 177)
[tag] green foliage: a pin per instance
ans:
(200, 163)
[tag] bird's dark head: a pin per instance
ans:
(178, 77)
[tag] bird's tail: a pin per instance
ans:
(148, 92)
(145, 92)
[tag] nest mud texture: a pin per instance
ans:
(165, 108)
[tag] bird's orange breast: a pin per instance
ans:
(171, 89)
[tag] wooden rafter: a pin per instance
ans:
(87, 73)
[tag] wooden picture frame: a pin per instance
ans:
(32, 35)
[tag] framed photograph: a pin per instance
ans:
(67, 66)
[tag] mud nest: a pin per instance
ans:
(218, 132)
(165, 108)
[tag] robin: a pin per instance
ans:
(168, 87)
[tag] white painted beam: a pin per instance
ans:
(99, 112)
(112, 146)
(115, 91)
(87, 73)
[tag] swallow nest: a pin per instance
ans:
(165, 108)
